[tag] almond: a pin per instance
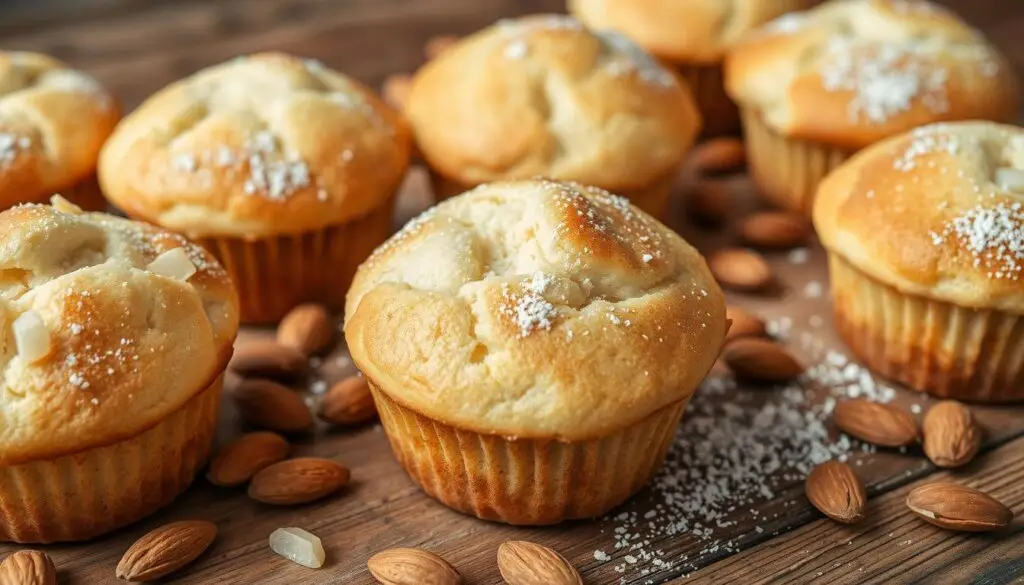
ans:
(879, 424)
(761, 360)
(951, 437)
(437, 45)
(307, 328)
(775, 229)
(833, 488)
(719, 155)
(28, 567)
(265, 358)
(348, 402)
(166, 549)
(396, 90)
(708, 202)
(744, 324)
(525, 563)
(270, 405)
(957, 507)
(236, 463)
(298, 481)
(740, 269)
(412, 566)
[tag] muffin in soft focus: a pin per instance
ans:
(542, 96)
(115, 337)
(925, 238)
(690, 36)
(531, 347)
(815, 87)
(55, 120)
(285, 170)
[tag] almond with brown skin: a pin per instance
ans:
(412, 566)
(307, 328)
(740, 269)
(266, 358)
(165, 550)
(270, 405)
(348, 402)
(744, 324)
(951, 437)
(775, 229)
(437, 45)
(396, 90)
(526, 563)
(833, 488)
(28, 567)
(719, 155)
(708, 201)
(761, 360)
(957, 507)
(236, 463)
(879, 424)
(298, 481)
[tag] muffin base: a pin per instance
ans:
(787, 171)
(526, 481)
(719, 114)
(932, 346)
(92, 492)
(275, 274)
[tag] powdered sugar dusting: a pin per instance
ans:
(992, 235)
(11, 145)
(628, 57)
(528, 308)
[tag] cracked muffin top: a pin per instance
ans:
(545, 96)
(535, 309)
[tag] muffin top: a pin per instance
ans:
(938, 212)
(53, 121)
(535, 309)
(853, 72)
(106, 327)
(544, 96)
(688, 31)
(261, 145)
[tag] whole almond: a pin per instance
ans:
(833, 488)
(761, 360)
(951, 437)
(28, 567)
(957, 507)
(348, 402)
(270, 405)
(396, 90)
(775, 229)
(740, 269)
(526, 563)
(166, 549)
(412, 566)
(708, 201)
(879, 424)
(744, 324)
(298, 481)
(237, 462)
(437, 45)
(307, 328)
(719, 155)
(266, 358)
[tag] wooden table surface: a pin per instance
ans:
(753, 443)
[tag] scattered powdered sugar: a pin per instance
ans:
(927, 140)
(787, 24)
(528, 308)
(798, 256)
(629, 57)
(516, 49)
(993, 235)
(813, 290)
(11, 145)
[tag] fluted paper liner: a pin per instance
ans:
(718, 113)
(933, 346)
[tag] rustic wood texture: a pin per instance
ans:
(137, 46)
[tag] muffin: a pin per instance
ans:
(816, 87)
(531, 347)
(285, 170)
(542, 96)
(103, 421)
(925, 239)
(55, 121)
(690, 36)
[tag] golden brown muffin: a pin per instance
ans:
(531, 347)
(114, 336)
(543, 96)
(925, 235)
(53, 121)
(815, 87)
(692, 36)
(282, 168)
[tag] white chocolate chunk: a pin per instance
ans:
(298, 546)
(31, 337)
(1010, 179)
(64, 206)
(173, 264)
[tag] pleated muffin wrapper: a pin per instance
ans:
(89, 493)
(948, 351)
(719, 114)
(274, 274)
(526, 481)
(787, 171)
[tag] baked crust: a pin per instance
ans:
(543, 96)
(852, 72)
(53, 121)
(934, 213)
(535, 309)
(262, 145)
(127, 346)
